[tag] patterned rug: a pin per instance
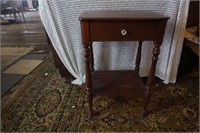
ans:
(51, 105)
(10, 55)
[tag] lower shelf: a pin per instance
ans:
(117, 83)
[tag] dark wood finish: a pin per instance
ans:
(88, 78)
(91, 58)
(193, 14)
(120, 26)
(117, 83)
(134, 30)
(149, 89)
(121, 15)
(138, 57)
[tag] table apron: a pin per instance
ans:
(123, 30)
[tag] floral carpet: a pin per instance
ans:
(51, 105)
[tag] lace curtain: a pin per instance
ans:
(60, 19)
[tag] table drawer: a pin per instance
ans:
(122, 30)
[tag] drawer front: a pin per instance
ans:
(123, 30)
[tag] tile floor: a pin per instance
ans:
(16, 72)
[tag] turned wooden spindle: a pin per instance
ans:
(138, 57)
(149, 89)
(88, 78)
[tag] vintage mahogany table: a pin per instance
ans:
(126, 25)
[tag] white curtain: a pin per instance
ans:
(60, 18)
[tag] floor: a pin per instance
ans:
(23, 34)
(30, 33)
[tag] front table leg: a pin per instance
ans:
(149, 88)
(88, 79)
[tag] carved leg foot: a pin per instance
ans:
(90, 100)
(148, 94)
(92, 114)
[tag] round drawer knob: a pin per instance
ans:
(123, 32)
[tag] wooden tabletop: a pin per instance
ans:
(122, 15)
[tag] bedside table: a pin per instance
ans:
(124, 25)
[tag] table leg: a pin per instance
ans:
(91, 57)
(88, 79)
(149, 89)
(138, 57)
